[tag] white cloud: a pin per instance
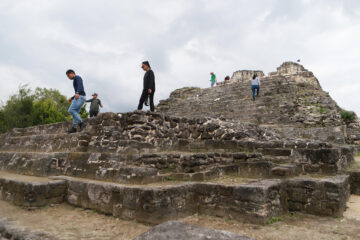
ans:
(105, 42)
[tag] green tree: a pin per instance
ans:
(28, 108)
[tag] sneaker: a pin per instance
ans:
(253, 98)
(72, 130)
(82, 125)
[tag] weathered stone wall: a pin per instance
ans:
(114, 147)
(245, 75)
(292, 96)
(325, 197)
(32, 194)
(255, 202)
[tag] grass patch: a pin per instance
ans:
(275, 220)
(323, 110)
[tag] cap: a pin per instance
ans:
(94, 94)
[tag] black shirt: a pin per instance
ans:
(149, 80)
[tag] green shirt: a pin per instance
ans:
(213, 78)
(95, 104)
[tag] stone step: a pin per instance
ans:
(254, 201)
(140, 168)
(31, 192)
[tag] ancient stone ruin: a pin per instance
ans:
(207, 151)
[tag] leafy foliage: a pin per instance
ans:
(348, 116)
(28, 108)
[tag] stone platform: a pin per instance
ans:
(152, 168)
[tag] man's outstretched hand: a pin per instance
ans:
(69, 100)
(149, 91)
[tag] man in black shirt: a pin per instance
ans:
(149, 86)
(95, 105)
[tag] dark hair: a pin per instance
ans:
(146, 63)
(69, 71)
(227, 78)
(255, 75)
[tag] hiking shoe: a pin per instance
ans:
(253, 98)
(72, 130)
(82, 125)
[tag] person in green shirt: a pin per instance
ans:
(213, 79)
(95, 105)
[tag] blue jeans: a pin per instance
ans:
(255, 87)
(74, 109)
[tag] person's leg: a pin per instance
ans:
(95, 113)
(72, 111)
(152, 106)
(92, 114)
(257, 90)
(142, 99)
(253, 91)
(75, 109)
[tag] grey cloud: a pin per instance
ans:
(105, 42)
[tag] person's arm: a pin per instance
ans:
(90, 100)
(100, 103)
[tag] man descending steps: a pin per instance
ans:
(77, 101)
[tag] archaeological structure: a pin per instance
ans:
(207, 151)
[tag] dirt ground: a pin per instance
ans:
(70, 223)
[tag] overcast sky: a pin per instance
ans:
(106, 41)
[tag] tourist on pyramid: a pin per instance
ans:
(149, 86)
(213, 79)
(255, 85)
(227, 79)
(77, 101)
(95, 105)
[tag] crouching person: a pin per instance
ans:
(77, 101)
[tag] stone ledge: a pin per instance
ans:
(32, 194)
(325, 197)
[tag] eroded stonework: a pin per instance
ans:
(291, 101)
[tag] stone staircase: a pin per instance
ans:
(151, 167)
(291, 102)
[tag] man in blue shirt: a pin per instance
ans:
(77, 101)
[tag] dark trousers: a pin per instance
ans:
(144, 95)
(94, 113)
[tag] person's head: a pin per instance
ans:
(254, 76)
(211, 73)
(145, 66)
(70, 74)
(95, 95)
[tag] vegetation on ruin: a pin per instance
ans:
(348, 116)
(34, 107)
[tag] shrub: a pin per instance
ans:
(348, 116)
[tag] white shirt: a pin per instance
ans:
(255, 81)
